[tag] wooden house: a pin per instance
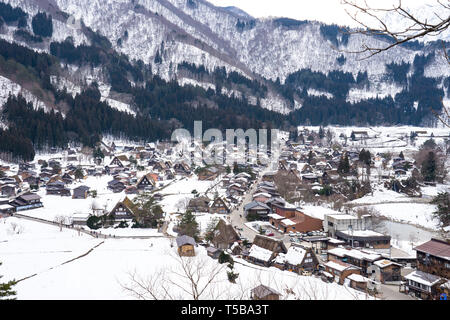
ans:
(269, 176)
(235, 190)
(424, 285)
(294, 220)
(220, 206)
(358, 282)
(224, 235)
(58, 188)
(340, 270)
(257, 208)
(186, 246)
(27, 201)
(297, 259)
(199, 204)
(213, 252)
(359, 258)
(120, 161)
(434, 257)
(131, 190)
(364, 239)
(8, 190)
(146, 182)
(264, 250)
(116, 186)
(262, 292)
(261, 197)
(80, 192)
(160, 166)
(387, 271)
(208, 174)
(6, 210)
(123, 210)
(67, 178)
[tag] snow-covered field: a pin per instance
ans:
(418, 214)
(55, 206)
(401, 208)
(28, 247)
(101, 274)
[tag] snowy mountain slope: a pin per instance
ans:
(268, 49)
(198, 32)
(8, 87)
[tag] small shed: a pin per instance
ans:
(186, 246)
(213, 252)
(263, 292)
(80, 192)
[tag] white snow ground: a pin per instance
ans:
(42, 250)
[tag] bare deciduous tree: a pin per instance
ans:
(60, 220)
(188, 278)
(182, 204)
(15, 228)
(373, 22)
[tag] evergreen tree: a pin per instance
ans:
(344, 164)
(428, 169)
(365, 157)
(98, 153)
(442, 200)
(188, 225)
(6, 289)
(79, 174)
(321, 132)
(310, 157)
(42, 24)
(401, 155)
(148, 213)
(22, 23)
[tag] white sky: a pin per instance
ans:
(329, 11)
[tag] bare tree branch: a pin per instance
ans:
(416, 28)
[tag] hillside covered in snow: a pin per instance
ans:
(176, 60)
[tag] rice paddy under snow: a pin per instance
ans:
(42, 250)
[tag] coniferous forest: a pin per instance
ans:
(161, 106)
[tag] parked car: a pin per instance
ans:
(270, 234)
(306, 273)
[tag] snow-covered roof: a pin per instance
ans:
(358, 278)
(385, 263)
(341, 216)
(261, 194)
(288, 222)
(423, 278)
(275, 216)
(357, 254)
(260, 253)
(335, 241)
(295, 255)
(339, 252)
(363, 233)
(339, 266)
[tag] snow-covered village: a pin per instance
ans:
(338, 213)
(208, 151)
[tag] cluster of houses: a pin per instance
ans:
(313, 164)
(236, 185)
(268, 205)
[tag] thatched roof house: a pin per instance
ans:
(224, 235)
